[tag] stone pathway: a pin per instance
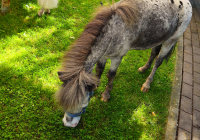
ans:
(189, 110)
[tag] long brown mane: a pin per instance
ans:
(74, 77)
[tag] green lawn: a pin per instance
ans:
(31, 50)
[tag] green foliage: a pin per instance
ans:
(31, 50)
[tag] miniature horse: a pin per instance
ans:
(126, 25)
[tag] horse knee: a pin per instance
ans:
(111, 74)
(99, 69)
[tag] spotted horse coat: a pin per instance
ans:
(159, 25)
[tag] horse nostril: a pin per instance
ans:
(74, 125)
(69, 119)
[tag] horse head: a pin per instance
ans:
(74, 95)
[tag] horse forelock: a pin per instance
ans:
(73, 92)
(74, 77)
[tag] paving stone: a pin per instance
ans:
(187, 90)
(196, 103)
(196, 67)
(186, 104)
(198, 31)
(187, 67)
(187, 35)
(193, 30)
(196, 58)
(197, 5)
(198, 24)
(196, 134)
(196, 50)
(188, 49)
(188, 30)
(187, 78)
(195, 42)
(192, 19)
(195, 36)
(196, 77)
(196, 119)
(185, 121)
(189, 117)
(187, 57)
(197, 18)
(194, 10)
(197, 89)
(183, 135)
(187, 42)
(193, 24)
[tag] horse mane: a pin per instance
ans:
(73, 75)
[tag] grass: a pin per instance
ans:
(31, 49)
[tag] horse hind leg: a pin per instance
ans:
(111, 75)
(154, 52)
(164, 52)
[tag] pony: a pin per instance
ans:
(123, 26)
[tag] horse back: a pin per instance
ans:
(156, 22)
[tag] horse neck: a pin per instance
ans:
(96, 53)
(92, 59)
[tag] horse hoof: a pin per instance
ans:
(141, 69)
(144, 89)
(104, 100)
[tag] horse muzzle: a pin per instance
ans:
(73, 122)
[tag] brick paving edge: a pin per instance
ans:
(173, 114)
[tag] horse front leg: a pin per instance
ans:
(100, 67)
(111, 76)
(164, 52)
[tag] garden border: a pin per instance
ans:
(173, 114)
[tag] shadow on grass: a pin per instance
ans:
(149, 109)
(14, 21)
(21, 17)
(28, 110)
